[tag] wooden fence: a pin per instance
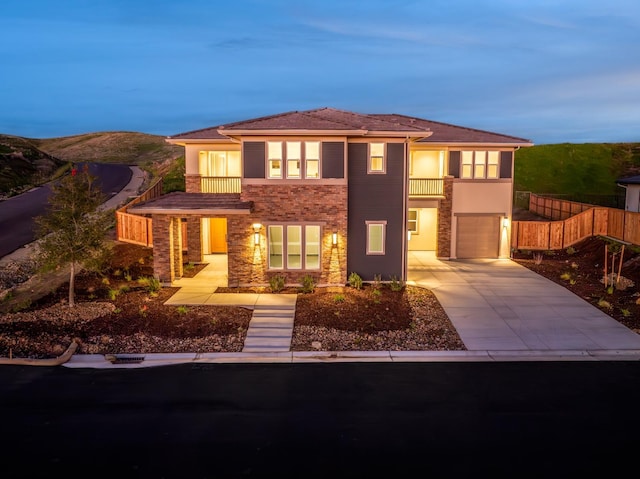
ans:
(569, 229)
(134, 228)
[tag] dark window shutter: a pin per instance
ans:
(454, 164)
(505, 164)
(253, 158)
(332, 159)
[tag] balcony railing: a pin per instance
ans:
(426, 186)
(220, 184)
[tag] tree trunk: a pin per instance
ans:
(72, 280)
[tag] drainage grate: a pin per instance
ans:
(124, 359)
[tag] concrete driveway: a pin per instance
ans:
(498, 305)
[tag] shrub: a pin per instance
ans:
(182, 310)
(276, 283)
(537, 257)
(112, 294)
(376, 293)
(355, 281)
(152, 284)
(338, 298)
(396, 284)
(571, 250)
(377, 281)
(308, 284)
(565, 276)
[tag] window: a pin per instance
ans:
(412, 222)
(312, 159)
(301, 159)
(480, 164)
(274, 156)
(294, 154)
(219, 163)
(294, 247)
(376, 158)
(376, 237)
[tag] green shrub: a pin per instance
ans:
(112, 294)
(377, 281)
(276, 283)
(308, 284)
(182, 310)
(338, 298)
(152, 284)
(396, 283)
(376, 293)
(571, 250)
(355, 281)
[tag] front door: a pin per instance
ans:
(218, 235)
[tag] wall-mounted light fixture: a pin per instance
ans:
(505, 222)
(256, 233)
(334, 239)
(408, 235)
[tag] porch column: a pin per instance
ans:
(176, 248)
(194, 239)
(445, 219)
(162, 252)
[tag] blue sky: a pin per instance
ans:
(549, 70)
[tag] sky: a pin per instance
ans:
(551, 71)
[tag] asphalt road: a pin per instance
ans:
(527, 419)
(17, 226)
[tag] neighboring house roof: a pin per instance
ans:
(180, 202)
(632, 180)
(334, 121)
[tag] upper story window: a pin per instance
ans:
(376, 163)
(480, 164)
(274, 158)
(219, 163)
(302, 159)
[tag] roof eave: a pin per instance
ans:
(189, 211)
(290, 132)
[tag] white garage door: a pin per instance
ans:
(478, 236)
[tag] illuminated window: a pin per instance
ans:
(376, 162)
(274, 156)
(480, 164)
(294, 154)
(376, 237)
(294, 247)
(312, 159)
(219, 163)
(412, 221)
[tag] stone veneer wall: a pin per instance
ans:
(192, 184)
(194, 239)
(287, 203)
(444, 220)
(164, 247)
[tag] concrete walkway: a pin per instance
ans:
(498, 305)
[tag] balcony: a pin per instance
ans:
(426, 187)
(220, 184)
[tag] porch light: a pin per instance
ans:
(505, 222)
(256, 233)
(334, 239)
(408, 235)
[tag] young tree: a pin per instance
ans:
(72, 231)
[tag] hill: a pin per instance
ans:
(28, 161)
(575, 168)
(23, 165)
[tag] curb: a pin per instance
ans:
(63, 358)
(121, 361)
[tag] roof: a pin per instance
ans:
(632, 180)
(182, 203)
(333, 121)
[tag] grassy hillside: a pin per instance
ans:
(144, 150)
(28, 161)
(575, 169)
(23, 165)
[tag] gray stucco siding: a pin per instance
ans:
(253, 157)
(375, 197)
(332, 159)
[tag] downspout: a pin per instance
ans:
(405, 209)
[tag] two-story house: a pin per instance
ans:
(328, 192)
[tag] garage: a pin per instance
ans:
(478, 236)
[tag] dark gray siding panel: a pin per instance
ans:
(377, 197)
(454, 164)
(333, 159)
(505, 164)
(253, 159)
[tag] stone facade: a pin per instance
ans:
(444, 220)
(294, 204)
(167, 248)
(192, 183)
(194, 239)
